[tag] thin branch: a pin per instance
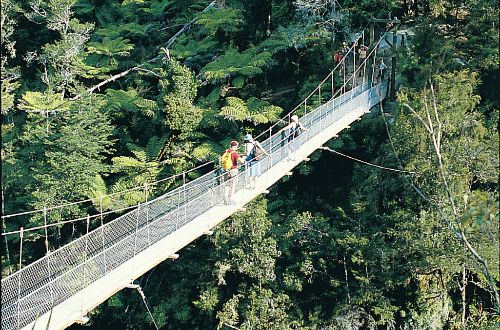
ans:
(418, 116)
(231, 326)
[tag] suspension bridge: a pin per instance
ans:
(63, 286)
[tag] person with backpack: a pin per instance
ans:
(381, 69)
(295, 128)
(255, 153)
(229, 163)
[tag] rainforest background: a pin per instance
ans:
(339, 245)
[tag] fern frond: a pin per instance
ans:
(227, 20)
(210, 101)
(204, 152)
(111, 47)
(187, 48)
(148, 107)
(236, 109)
(233, 63)
(124, 164)
(155, 146)
(83, 7)
(42, 102)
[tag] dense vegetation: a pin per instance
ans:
(339, 245)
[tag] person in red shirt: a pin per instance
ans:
(231, 178)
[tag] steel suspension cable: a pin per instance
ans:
(143, 296)
(364, 162)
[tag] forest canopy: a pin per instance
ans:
(100, 97)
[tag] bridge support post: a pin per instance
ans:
(270, 148)
(370, 62)
(82, 320)
(393, 66)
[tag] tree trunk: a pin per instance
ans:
(462, 291)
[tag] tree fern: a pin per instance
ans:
(83, 7)
(190, 50)
(103, 57)
(236, 109)
(148, 107)
(233, 63)
(204, 152)
(210, 101)
(131, 29)
(253, 110)
(155, 146)
(262, 112)
(111, 47)
(98, 192)
(226, 20)
(119, 101)
(43, 102)
(157, 8)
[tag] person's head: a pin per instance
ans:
(234, 145)
(295, 118)
(248, 138)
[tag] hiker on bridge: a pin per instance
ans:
(381, 70)
(294, 128)
(255, 153)
(362, 57)
(229, 162)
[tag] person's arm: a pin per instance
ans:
(284, 128)
(303, 127)
(261, 147)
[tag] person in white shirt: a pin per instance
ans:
(381, 70)
(295, 128)
(255, 152)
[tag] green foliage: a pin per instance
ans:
(9, 85)
(63, 152)
(138, 170)
(104, 54)
(43, 102)
(227, 20)
(208, 300)
(83, 7)
(193, 50)
(337, 245)
(122, 102)
(233, 63)
(253, 110)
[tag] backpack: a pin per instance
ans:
(257, 151)
(297, 131)
(226, 160)
(294, 132)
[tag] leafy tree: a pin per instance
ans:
(450, 129)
